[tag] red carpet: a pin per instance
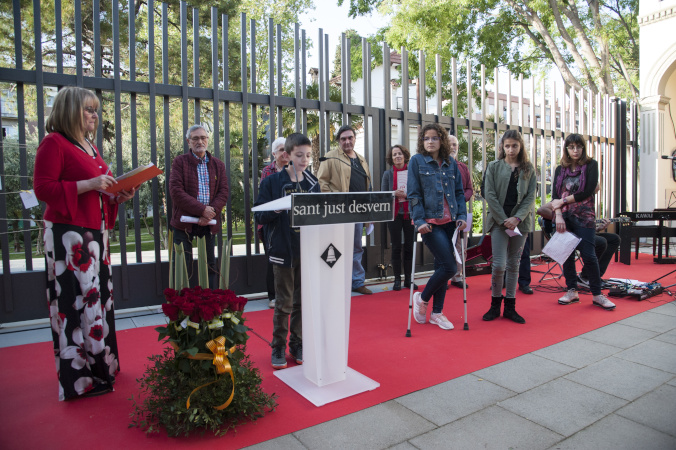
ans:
(32, 417)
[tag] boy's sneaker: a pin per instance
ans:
(603, 302)
(570, 297)
(271, 303)
(278, 358)
(441, 320)
(419, 308)
(296, 352)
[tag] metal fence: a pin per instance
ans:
(147, 113)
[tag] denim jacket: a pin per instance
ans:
(428, 183)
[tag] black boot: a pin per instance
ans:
(397, 283)
(494, 312)
(408, 267)
(510, 311)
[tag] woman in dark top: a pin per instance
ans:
(510, 195)
(575, 181)
(395, 179)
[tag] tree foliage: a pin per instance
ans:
(594, 44)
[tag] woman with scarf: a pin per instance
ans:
(395, 179)
(575, 181)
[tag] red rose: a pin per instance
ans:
(171, 311)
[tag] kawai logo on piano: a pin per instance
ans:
(644, 215)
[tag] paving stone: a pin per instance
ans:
(524, 373)
(380, 426)
(653, 353)
(287, 442)
(490, 428)
(669, 337)
(577, 352)
(25, 337)
(449, 401)
(403, 446)
(621, 378)
(563, 406)
(668, 309)
(651, 321)
(124, 324)
(150, 320)
(617, 335)
(615, 432)
(656, 410)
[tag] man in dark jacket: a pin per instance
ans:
(198, 186)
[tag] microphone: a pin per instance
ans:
(663, 157)
(296, 174)
(357, 167)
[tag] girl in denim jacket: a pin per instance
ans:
(437, 202)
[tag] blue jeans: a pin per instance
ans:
(358, 272)
(440, 243)
(588, 254)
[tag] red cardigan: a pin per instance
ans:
(59, 165)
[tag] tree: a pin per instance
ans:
(594, 44)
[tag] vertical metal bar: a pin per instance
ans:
(165, 111)
(98, 67)
(117, 84)
(152, 123)
(196, 61)
(303, 83)
(296, 73)
(6, 276)
(215, 106)
(422, 103)
(347, 100)
(226, 117)
(498, 113)
(280, 77)
(134, 131)
(58, 35)
(454, 97)
(254, 124)
(245, 138)
(344, 55)
(470, 136)
(483, 134)
(78, 43)
(509, 99)
(271, 80)
(184, 70)
(520, 116)
(439, 98)
(634, 145)
(387, 97)
(323, 148)
(327, 95)
(404, 97)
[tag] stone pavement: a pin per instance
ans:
(611, 388)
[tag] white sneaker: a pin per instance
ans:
(441, 320)
(419, 308)
(271, 304)
(570, 297)
(603, 302)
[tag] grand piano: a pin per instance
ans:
(629, 231)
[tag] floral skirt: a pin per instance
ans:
(80, 297)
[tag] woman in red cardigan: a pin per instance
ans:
(69, 173)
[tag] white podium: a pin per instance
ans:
(326, 286)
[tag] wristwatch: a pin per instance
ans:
(565, 200)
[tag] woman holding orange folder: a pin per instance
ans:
(69, 175)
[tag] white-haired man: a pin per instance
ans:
(198, 186)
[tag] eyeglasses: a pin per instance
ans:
(431, 139)
(199, 138)
(91, 111)
(573, 148)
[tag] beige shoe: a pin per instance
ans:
(570, 297)
(441, 320)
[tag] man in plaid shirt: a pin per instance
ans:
(198, 186)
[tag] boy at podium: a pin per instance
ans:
(284, 247)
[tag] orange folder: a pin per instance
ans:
(134, 177)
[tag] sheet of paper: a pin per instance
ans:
(29, 199)
(511, 233)
(402, 180)
(560, 246)
(189, 219)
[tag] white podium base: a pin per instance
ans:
(354, 383)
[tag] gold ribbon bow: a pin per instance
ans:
(220, 360)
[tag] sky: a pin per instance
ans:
(333, 20)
